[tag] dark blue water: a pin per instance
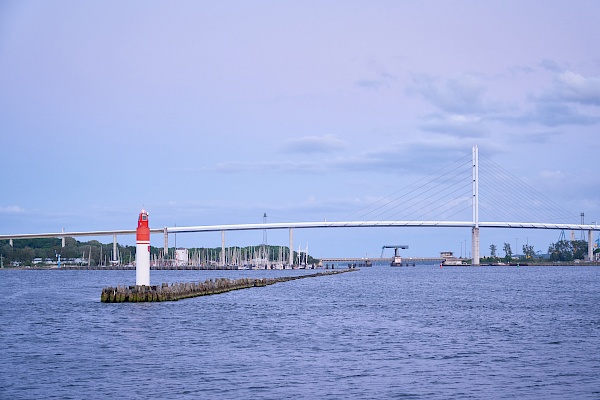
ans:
(382, 332)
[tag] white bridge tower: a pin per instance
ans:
(475, 230)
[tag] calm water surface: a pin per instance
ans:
(381, 332)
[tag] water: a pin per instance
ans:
(381, 332)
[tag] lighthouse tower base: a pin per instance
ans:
(142, 264)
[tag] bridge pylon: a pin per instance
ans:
(475, 230)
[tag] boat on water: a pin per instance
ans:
(396, 261)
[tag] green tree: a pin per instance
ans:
(580, 248)
(507, 252)
(561, 251)
(7, 252)
(493, 250)
(25, 255)
(528, 251)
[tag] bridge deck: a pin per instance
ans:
(303, 225)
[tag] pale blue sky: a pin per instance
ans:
(217, 112)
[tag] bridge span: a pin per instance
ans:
(475, 224)
(319, 225)
(305, 225)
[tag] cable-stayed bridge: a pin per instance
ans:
(515, 205)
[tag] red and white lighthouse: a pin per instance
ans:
(142, 252)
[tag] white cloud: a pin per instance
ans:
(572, 87)
(459, 125)
(553, 175)
(460, 95)
(404, 155)
(571, 99)
(263, 166)
(11, 210)
(315, 144)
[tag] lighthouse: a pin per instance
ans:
(142, 252)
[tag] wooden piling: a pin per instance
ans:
(178, 291)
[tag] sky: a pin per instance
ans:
(209, 113)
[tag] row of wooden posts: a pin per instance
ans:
(178, 291)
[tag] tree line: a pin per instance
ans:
(563, 250)
(25, 251)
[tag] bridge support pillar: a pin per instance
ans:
(115, 257)
(291, 260)
(475, 246)
(166, 244)
(222, 248)
(63, 238)
(10, 242)
(590, 245)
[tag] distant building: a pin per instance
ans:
(446, 254)
(449, 258)
(181, 256)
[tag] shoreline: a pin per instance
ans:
(202, 268)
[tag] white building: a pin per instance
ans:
(181, 256)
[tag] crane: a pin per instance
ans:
(397, 260)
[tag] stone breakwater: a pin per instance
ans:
(178, 291)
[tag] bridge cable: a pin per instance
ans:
(523, 197)
(526, 193)
(426, 205)
(387, 201)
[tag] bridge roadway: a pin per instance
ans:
(321, 224)
(301, 225)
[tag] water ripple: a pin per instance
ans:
(382, 332)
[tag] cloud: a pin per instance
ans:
(554, 175)
(518, 70)
(460, 95)
(551, 65)
(382, 80)
(413, 156)
(571, 99)
(315, 144)
(11, 210)
(557, 114)
(407, 155)
(287, 166)
(538, 137)
(572, 87)
(467, 126)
